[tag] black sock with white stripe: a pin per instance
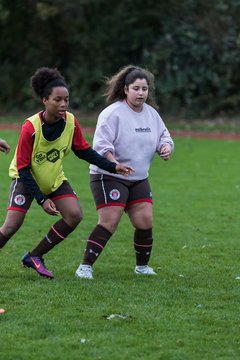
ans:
(58, 232)
(143, 246)
(95, 244)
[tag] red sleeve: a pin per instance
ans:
(79, 141)
(25, 145)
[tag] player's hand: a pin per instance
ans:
(4, 147)
(50, 207)
(166, 151)
(123, 169)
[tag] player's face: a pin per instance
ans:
(56, 104)
(136, 94)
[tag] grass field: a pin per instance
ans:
(189, 311)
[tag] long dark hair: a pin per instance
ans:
(126, 76)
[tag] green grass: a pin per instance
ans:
(88, 120)
(209, 125)
(224, 125)
(189, 311)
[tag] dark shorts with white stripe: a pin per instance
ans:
(111, 191)
(20, 199)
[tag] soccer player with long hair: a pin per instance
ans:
(129, 130)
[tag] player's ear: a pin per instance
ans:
(44, 101)
(125, 89)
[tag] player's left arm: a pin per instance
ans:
(165, 151)
(165, 145)
(79, 142)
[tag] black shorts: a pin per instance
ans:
(20, 199)
(111, 191)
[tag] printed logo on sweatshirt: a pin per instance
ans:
(114, 194)
(143, 130)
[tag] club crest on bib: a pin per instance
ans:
(114, 194)
(19, 199)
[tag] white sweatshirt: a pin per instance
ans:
(133, 138)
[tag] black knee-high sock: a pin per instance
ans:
(3, 240)
(143, 245)
(58, 232)
(95, 244)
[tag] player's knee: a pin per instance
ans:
(144, 222)
(111, 226)
(74, 218)
(10, 230)
(78, 218)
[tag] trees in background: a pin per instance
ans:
(192, 47)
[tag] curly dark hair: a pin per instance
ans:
(45, 79)
(126, 76)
